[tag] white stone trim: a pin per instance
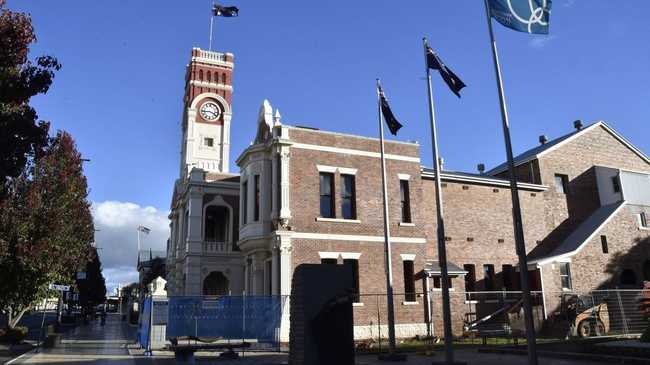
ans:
(357, 304)
(328, 255)
(218, 97)
(411, 303)
(337, 220)
(347, 171)
(215, 85)
(407, 256)
(402, 330)
(406, 224)
(350, 237)
(348, 151)
(325, 168)
(350, 255)
(404, 176)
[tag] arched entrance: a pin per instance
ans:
(216, 283)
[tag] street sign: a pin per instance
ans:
(59, 287)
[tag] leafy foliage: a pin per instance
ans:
(92, 289)
(22, 137)
(45, 227)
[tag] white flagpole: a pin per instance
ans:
(387, 248)
(211, 24)
(442, 251)
(516, 207)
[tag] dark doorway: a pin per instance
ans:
(215, 284)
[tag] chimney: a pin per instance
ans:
(577, 124)
(481, 168)
(543, 139)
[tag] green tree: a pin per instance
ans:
(46, 227)
(22, 136)
(92, 289)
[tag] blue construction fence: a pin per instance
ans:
(254, 319)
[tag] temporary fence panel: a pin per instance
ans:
(244, 318)
(145, 328)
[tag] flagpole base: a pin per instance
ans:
(392, 357)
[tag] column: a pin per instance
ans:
(285, 212)
(275, 270)
(194, 240)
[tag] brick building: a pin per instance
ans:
(309, 196)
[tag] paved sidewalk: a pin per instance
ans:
(108, 345)
(90, 344)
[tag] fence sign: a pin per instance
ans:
(59, 287)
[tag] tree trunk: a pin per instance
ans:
(13, 320)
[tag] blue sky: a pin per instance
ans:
(119, 92)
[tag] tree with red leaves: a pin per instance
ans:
(46, 228)
(22, 136)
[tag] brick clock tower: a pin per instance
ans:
(207, 112)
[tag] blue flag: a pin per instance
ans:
(530, 16)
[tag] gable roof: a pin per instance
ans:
(582, 234)
(538, 151)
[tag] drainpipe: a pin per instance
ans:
(541, 279)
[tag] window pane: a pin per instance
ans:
(355, 273)
(326, 198)
(244, 202)
(329, 261)
(405, 203)
(470, 277)
(559, 184)
(348, 204)
(409, 281)
(257, 198)
(488, 274)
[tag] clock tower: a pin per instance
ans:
(207, 112)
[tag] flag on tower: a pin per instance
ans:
(435, 63)
(391, 121)
(530, 16)
(227, 11)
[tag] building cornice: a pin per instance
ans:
(481, 180)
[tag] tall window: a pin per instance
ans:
(355, 273)
(209, 76)
(348, 197)
(409, 281)
(470, 277)
(488, 277)
(405, 200)
(603, 243)
(257, 198)
(326, 195)
(643, 220)
(244, 202)
(565, 275)
(216, 224)
(329, 261)
(508, 273)
(616, 184)
(561, 184)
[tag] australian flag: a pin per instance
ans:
(435, 63)
(530, 16)
(227, 11)
(391, 121)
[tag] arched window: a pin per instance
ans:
(628, 277)
(216, 77)
(217, 221)
(209, 76)
(223, 78)
(215, 284)
(201, 75)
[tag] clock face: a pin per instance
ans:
(210, 111)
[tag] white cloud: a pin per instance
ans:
(569, 3)
(539, 42)
(117, 237)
